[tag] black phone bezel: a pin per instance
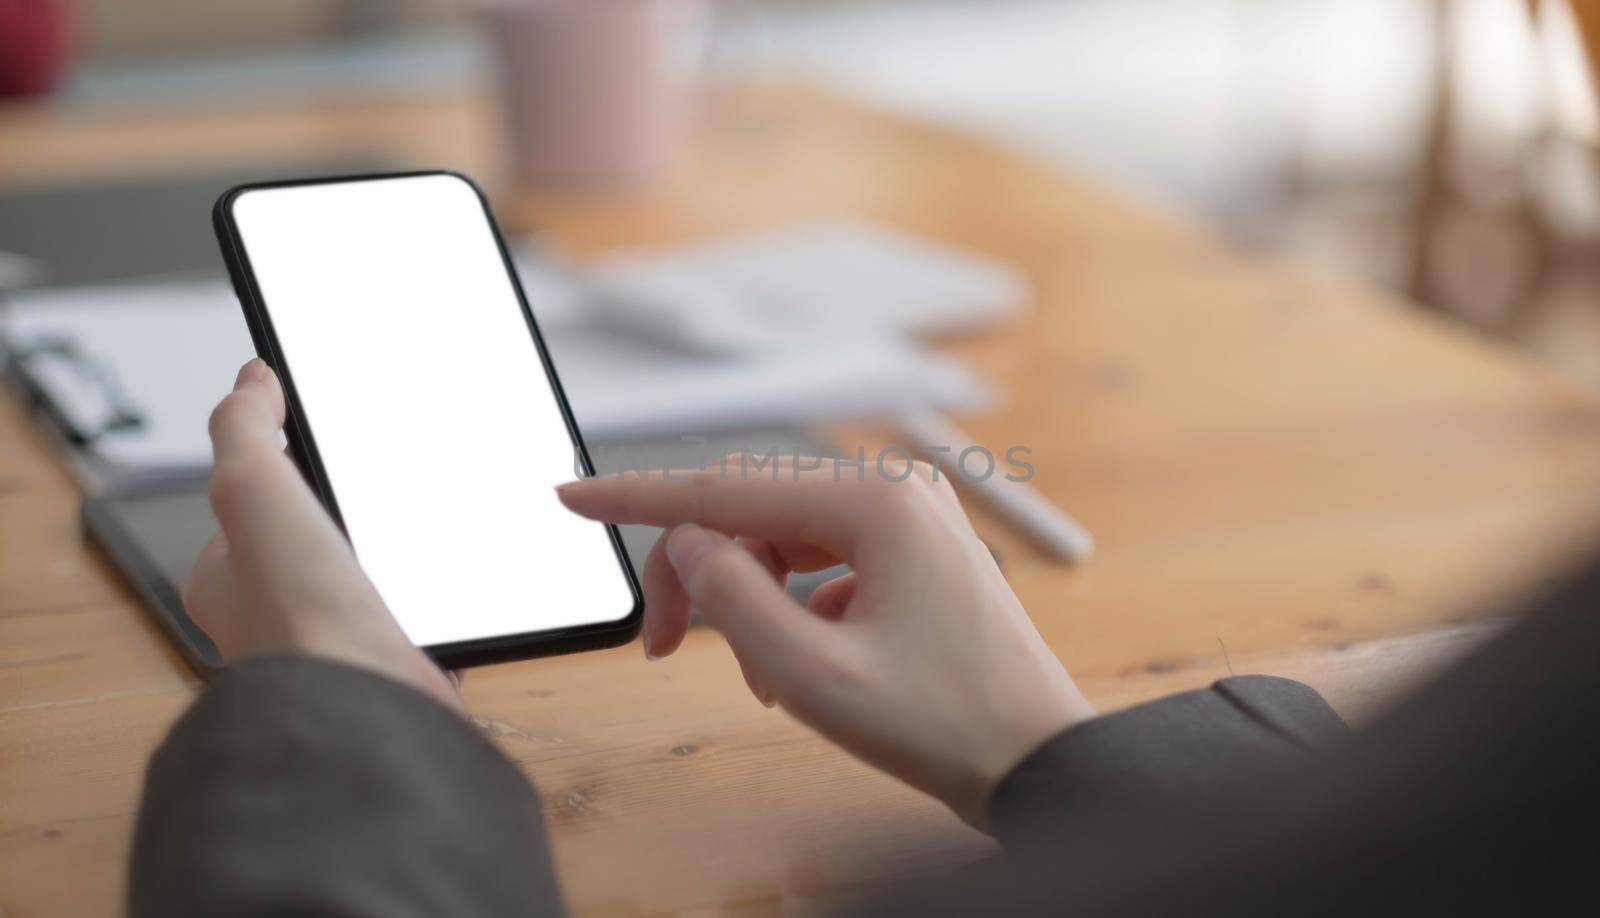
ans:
(302, 445)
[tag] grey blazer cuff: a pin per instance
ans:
(300, 786)
(1166, 752)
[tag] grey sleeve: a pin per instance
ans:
(1475, 795)
(297, 786)
(1174, 749)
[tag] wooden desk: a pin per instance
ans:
(1304, 472)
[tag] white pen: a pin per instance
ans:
(1017, 502)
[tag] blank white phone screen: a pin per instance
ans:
(440, 435)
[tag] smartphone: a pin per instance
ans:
(425, 412)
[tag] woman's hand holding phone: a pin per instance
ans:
(280, 575)
(921, 661)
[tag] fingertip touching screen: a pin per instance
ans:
(418, 378)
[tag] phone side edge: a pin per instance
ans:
(302, 446)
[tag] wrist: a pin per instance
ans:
(414, 670)
(1030, 728)
(389, 655)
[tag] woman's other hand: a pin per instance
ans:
(920, 661)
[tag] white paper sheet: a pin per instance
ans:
(175, 348)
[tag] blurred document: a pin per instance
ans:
(623, 388)
(819, 283)
(171, 351)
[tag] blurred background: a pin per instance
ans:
(1442, 150)
(1439, 148)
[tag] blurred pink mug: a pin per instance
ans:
(596, 93)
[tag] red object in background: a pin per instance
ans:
(33, 45)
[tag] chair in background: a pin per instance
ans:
(1505, 235)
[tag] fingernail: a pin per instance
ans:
(252, 372)
(648, 640)
(686, 545)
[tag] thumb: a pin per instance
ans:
(737, 595)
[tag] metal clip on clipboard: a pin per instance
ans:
(54, 364)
